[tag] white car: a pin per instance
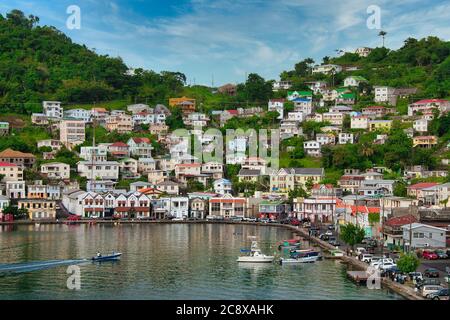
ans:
(328, 233)
(386, 266)
(429, 289)
(381, 261)
(366, 257)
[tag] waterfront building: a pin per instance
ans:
(38, 208)
(227, 206)
(286, 179)
(424, 236)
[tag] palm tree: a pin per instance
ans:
(366, 150)
(382, 34)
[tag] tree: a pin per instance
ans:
(382, 34)
(408, 263)
(175, 120)
(16, 212)
(400, 189)
(352, 234)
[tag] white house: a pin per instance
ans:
(79, 114)
(107, 170)
(420, 125)
(363, 51)
(424, 236)
(353, 81)
(96, 154)
(324, 138)
(281, 85)
(177, 207)
(56, 170)
(140, 147)
(15, 189)
(278, 106)
(384, 94)
(303, 105)
(359, 122)
(312, 148)
(344, 138)
(53, 109)
(327, 69)
(222, 186)
(4, 202)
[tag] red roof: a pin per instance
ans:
(317, 186)
(430, 101)
(7, 164)
(422, 185)
(141, 140)
(235, 112)
(400, 221)
(119, 144)
(364, 209)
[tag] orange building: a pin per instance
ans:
(187, 105)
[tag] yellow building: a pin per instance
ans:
(39, 208)
(187, 105)
(380, 125)
(424, 141)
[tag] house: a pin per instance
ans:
(175, 207)
(290, 129)
(79, 114)
(39, 119)
(132, 205)
(198, 206)
(100, 186)
(4, 128)
(215, 169)
(119, 150)
(4, 203)
(393, 231)
(228, 89)
(346, 98)
(359, 122)
(344, 138)
(278, 106)
(354, 81)
(363, 52)
(196, 119)
(273, 209)
(303, 105)
(415, 190)
(327, 69)
(53, 109)
(227, 206)
(420, 125)
(335, 118)
(341, 109)
(122, 123)
(255, 163)
(292, 95)
(129, 168)
(350, 182)
(377, 111)
(281, 85)
(107, 170)
(227, 115)
(15, 189)
(312, 148)
(385, 94)
(55, 145)
(287, 179)
(159, 130)
(39, 208)
(326, 139)
(56, 170)
(419, 235)
(157, 176)
(187, 105)
(425, 142)
(37, 190)
(428, 105)
(99, 115)
(316, 209)
(96, 154)
(140, 147)
(72, 132)
(10, 172)
(318, 87)
(22, 159)
(169, 187)
(138, 108)
(249, 175)
(380, 125)
(146, 165)
(222, 186)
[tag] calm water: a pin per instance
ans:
(166, 261)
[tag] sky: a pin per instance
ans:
(221, 41)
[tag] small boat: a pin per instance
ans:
(255, 256)
(109, 257)
(303, 257)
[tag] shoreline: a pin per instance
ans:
(400, 289)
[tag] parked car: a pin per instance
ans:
(324, 237)
(73, 217)
(441, 254)
(440, 295)
(295, 222)
(329, 233)
(334, 242)
(381, 261)
(431, 273)
(386, 266)
(429, 255)
(427, 281)
(366, 257)
(427, 290)
(264, 220)
(250, 219)
(416, 276)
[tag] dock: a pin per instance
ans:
(358, 276)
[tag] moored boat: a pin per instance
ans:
(109, 257)
(255, 255)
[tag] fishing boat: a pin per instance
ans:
(255, 255)
(304, 257)
(109, 257)
(291, 244)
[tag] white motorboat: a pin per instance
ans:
(255, 256)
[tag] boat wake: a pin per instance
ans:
(12, 268)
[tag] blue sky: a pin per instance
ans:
(229, 38)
